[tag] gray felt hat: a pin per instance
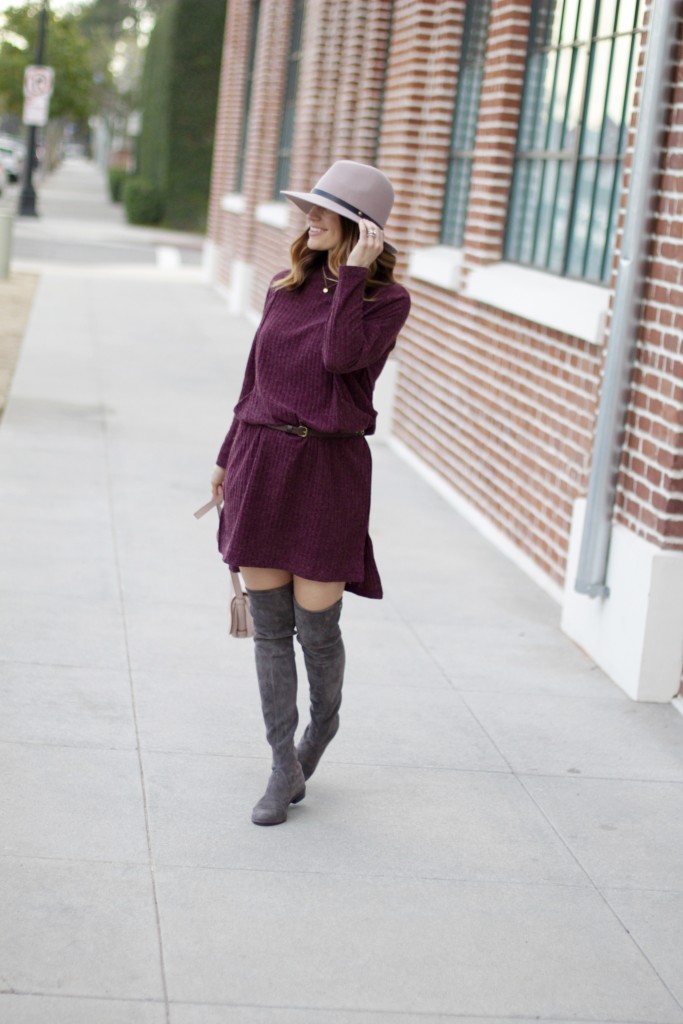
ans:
(355, 191)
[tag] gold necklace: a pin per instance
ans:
(328, 282)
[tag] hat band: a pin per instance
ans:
(347, 206)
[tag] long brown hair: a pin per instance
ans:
(306, 261)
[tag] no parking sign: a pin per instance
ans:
(38, 86)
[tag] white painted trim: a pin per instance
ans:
(168, 257)
(480, 522)
(222, 291)
(439, 264)
(383, 400)
(210, 259)
(238, 293)
(573, 307)
(636, 633)
(239, 290)
(276, 214)
(249, 314)
(233, 202)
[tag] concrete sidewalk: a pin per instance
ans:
(496, 833)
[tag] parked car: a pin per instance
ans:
(13, 155)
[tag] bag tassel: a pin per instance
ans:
(241, 622)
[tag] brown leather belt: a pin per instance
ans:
(302, 431)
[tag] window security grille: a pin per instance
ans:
(248, 84)
(466, 113)
(284, 154)
(576, 108)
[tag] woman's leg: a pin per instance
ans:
(317, 608)
(314, 596)
(272, 609)
(264, 579)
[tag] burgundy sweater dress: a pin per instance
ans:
(303, 504)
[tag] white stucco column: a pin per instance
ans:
(636, 633)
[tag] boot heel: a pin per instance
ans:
(298, 797)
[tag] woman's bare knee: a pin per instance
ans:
(264, 579)
(314, 596)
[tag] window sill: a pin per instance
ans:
(440, 265)
(276, 214)
(233, 202)
(572, 307)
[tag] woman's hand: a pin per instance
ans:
(368, 247)
(217, 478)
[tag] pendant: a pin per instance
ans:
(325, 291)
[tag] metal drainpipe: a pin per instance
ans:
(597, 529)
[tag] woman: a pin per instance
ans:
(294, 470)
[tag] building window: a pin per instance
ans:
(284, 152)
(248, 87)
(470, 76)
(576, 107)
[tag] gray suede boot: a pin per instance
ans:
(273, 615)
(321, 640)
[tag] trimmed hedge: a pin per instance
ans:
(117, 178)
(155, 137)
(179, 99)
(143, 201)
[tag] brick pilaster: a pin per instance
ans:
(650, 487)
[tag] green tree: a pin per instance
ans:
(66, 50)
(117, 32)
(116, 18)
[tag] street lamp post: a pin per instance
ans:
(27, 198)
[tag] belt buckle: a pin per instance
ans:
(302, 431)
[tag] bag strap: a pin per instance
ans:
(237, 585)
(214, 503)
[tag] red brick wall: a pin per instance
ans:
(418, 110)
(501, 98)
(223, 146)
(222, 228)
(237, 235)
(272, 54)
(503, 409)
(423, 215)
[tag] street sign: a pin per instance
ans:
(38, 86)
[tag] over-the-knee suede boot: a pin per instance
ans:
(321, 640)
(273, 615)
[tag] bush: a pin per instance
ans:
(117, 178)
(143, 201)
(179, 98)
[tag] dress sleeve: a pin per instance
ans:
(358, 333)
